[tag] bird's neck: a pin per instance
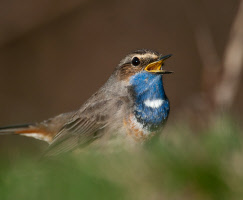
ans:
(151, 106)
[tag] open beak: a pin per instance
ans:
(156, 67)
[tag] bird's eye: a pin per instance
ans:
(135, 61)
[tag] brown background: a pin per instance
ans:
(55, 54)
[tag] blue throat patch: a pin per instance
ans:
(151, 104)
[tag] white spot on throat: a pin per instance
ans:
(154, 103)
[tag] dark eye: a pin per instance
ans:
(135, 61)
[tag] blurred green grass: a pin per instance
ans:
(183, 164)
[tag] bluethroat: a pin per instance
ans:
(131, 106)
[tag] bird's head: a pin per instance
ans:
(141, 72)
(146, 61)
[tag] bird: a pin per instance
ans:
(131, 107)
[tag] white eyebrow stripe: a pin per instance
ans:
(154, 103)
(147, 55)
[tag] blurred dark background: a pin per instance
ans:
(55, 54)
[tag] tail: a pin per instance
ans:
(29, 130)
